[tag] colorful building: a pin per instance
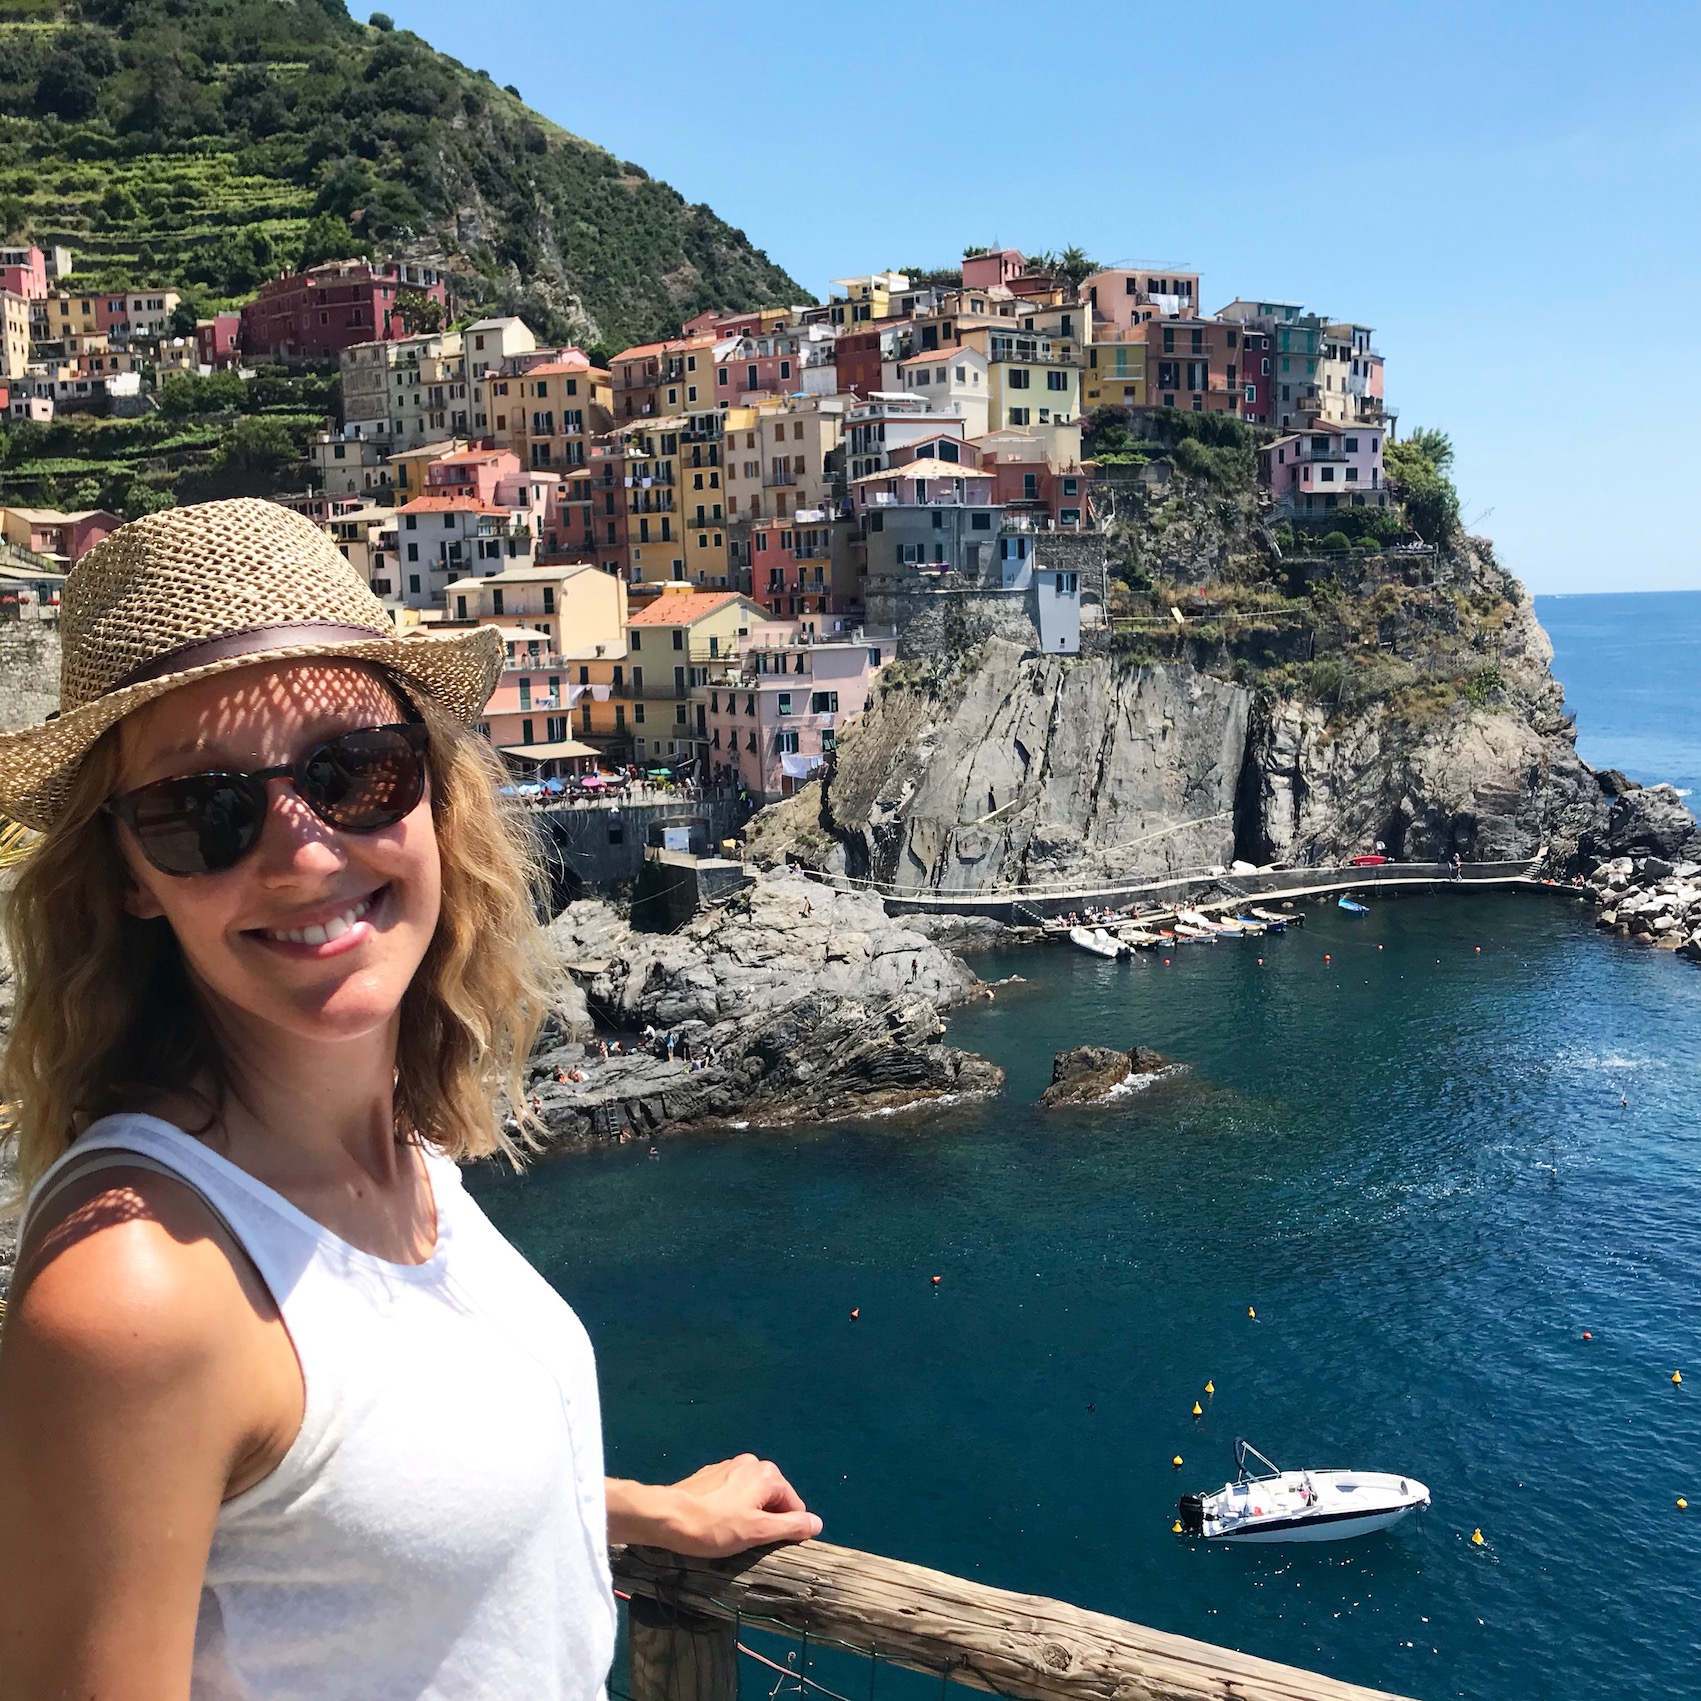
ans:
(1115, 374)
(1125, 297)
(679, 634)
(661, 379)
(316, 314)
(1194, 364)
(773, 718)
(1326, 466)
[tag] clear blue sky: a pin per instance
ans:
(1508, 193)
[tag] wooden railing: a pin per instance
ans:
(686, 1614)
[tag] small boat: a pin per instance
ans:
(1276, 919)
(1273, 1505)
(1097, 941)
(1197, 918)
(1194, 934)
(1139, 938)
(1253, 928)
(1353, 907)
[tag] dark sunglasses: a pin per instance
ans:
(358, 782)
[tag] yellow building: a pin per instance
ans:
(672, 644)
(549, 414)
(407, 470)
(1116, 369)
(864, 300)
(1029, 379)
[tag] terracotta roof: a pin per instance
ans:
(926, 468)
(472, 455)
(681, 608)
(643, 351)
(928, 354)
(557, 369)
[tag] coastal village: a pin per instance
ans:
(702, 553)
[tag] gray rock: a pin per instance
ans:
(1094, 1074)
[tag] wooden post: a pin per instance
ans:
(679, 1656)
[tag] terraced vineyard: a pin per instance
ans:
(214, 143)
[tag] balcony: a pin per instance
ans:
(705, 520)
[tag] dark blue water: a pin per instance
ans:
(1413, 1162)
(1428, 1169)
(1631, 667)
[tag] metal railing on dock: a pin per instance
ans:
(688, 1616)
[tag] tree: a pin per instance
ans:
(256, 457)
(1434, 445)
(382, 21)
(1420, 481)
(1074, 266)
(329, 238)
(420, 312)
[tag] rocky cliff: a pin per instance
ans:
(788, 1003)
(1307, 703)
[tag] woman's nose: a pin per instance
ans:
(294, 839)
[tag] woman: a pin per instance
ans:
(281, 1414)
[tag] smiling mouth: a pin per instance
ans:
(321, 933)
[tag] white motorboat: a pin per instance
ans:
(1272, 1505)
(1096, 940)
(1197, 918)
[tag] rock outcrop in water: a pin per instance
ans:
(789, 1003)
(1096, 1074)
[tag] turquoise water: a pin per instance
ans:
(1631, 666)
(1412, 1161)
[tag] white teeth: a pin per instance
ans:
(321, 932)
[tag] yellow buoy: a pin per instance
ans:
(1210, 1387)
(1176, 1461)
(1682, 1504)
(1175, 1528)
(1198, 1410)
(1476, 1538)
(1677, 1376)
(1251, 1312)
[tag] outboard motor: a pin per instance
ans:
(1192, 1515)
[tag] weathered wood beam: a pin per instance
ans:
(1023, 1646)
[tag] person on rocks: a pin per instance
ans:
(282, 1414)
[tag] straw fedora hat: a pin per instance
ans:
(191, 592)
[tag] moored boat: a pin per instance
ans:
(1277, 919)
(1352, 906)
(1273, 1505)
(1096, 940)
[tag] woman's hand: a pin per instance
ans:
(720, 1510)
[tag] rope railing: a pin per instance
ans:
(688, 1620)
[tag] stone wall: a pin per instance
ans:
(29, 672)
(602, 845)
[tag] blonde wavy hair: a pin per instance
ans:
(105, 1015)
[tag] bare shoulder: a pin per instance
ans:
(128, 1272)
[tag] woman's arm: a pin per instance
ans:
(722, 1509)
(131, 1392)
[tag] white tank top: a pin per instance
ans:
(437, 1532)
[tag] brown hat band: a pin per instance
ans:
(257, 640)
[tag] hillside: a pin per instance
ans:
(215, 142)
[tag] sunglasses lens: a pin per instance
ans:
(200, 824)
(362, 781)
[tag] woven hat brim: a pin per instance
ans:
(458, 670)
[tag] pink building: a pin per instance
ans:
(774, 722)
(1326, 466)
(23, 271)
(59, 536)
(758, 364)
(216, 338)
(996, 266)
(471, 472)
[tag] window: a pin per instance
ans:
(1069, 516)
(1057, 380)
(1019, 416)
(1352, 475)
(785, 743)
(981, 522)
(413, 555)
(413, 584)
(1018, 378)
(548, 599)
(1169, 340)
(784, 704)
(824, 703)
(526, 732)
(637, 640)
(679, 637)
(1328, 475)
(637, 708)
(1351, 445)
(496, 601)
(555, 728)
(679, 714)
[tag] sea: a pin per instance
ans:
(1421, 1194)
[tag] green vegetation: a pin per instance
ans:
(216, 142)
(1417, 474)
(1215, 448)
(213, 436)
